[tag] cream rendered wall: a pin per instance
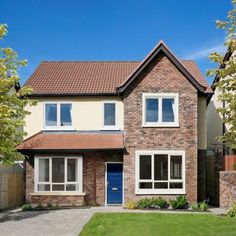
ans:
(202, 129)
(214, 121)
(87, 113)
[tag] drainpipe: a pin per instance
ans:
(94, 181)
(223, 127)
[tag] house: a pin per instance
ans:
(221, 158)
(217, 128)
(107, 132)
(215, 125)
(222, 172)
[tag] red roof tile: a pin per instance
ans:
(72, 141)
(79, 77)
(68, 78)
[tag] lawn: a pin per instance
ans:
(159, 224)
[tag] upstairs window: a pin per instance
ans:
(109, 115)
(160, 109)
(58, 115)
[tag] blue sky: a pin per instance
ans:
(111, 30)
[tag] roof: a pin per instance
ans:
(72, 141)
(55, 78)
(188, 68)
(225, 59)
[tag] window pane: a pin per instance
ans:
(71, 169)
(109, 114)
(43, 171)
(66, 110)
(145, 167)
(176, 185)
(161, 185)
(59, 187)
(151, 110)
(43, 187)
(146, 185)
(168, 110)
(176, 167)
(161, 167)
(58, 170)
(51, 114)
(71, 187)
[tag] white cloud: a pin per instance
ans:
(204, 53)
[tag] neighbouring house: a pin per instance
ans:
(221, 158)
(215, 125)
(107, 132)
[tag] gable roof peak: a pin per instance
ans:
(161, 47)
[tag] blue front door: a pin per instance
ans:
(114, 183)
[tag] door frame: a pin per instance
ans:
(114, 162)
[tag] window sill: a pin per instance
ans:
(160, 192)
(58, 129)
(110, 128)
(174, 125)
(57, 193)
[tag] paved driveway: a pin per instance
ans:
(46, 223)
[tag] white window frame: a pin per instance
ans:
(159, 191)
(160, 96)
(109, 127)
(79, 174)
(58, 126)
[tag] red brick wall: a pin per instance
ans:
(88, 174)
(227, 188)
(65, 200)
(161, 76)
(88, 181)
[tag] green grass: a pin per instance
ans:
(159, 224)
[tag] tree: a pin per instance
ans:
(12, 103)
(226, 74)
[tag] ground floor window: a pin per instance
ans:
(160, 172)
(58, 173)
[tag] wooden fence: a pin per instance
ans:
(11, 186)
(230, 162)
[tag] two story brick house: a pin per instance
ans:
(106, 132)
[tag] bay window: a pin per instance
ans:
(58, 115)
(58, 174)
(160, 109)
(160, 172)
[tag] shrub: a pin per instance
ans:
(144, 203)
(131, 204)
(39, 206)
(49, 205)
(203, 206)
(179, 203)
(232, 211)
(26, 207)
(158, 202)
(195, 206)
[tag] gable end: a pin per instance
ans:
(160, 48)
